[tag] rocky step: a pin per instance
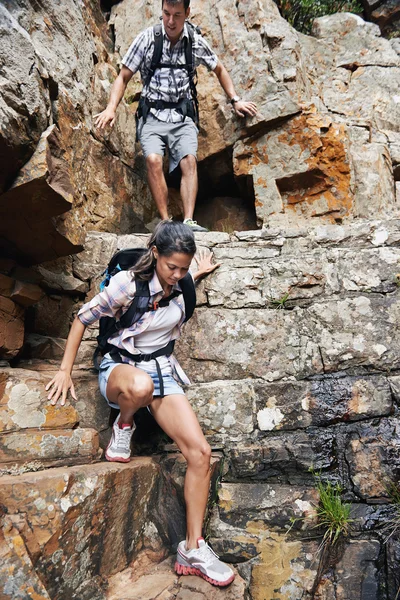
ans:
(139, 582)
(37, 449)
(258, 267)
(64, 527)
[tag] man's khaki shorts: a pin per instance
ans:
(180, 139)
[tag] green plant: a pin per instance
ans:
(392, 524)
(301, 13)
(280, 303)
(333, 515)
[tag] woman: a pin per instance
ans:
(129, 386)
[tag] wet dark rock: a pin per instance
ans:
(287, 457)
(373, 457)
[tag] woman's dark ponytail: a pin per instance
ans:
(168, 237)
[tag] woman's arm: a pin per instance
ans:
(62, 382)
(119, 293)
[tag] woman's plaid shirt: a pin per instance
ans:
(167, 84)
(115, 299)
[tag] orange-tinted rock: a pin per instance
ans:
(86, 520)
(11, 328)
(18, 578)
(48, 448)
(24, 404)
(41, 191)
(160, 581)
(300, 170)
(24, 294)
(6, 285)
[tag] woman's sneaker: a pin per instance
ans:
(119, 448)
(204, 562)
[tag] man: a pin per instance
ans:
(167, 109)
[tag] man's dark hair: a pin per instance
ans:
(186, 3)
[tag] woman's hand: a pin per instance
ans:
(59, 386)
(205, 264)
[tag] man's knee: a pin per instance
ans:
(188, 164)
(154, 163)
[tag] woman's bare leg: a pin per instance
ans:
(131, 388)
(176, 417)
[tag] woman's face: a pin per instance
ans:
(170, 269)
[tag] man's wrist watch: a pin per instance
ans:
(234, 100)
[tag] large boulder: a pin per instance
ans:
(24, 98)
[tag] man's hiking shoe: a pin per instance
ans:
(193, 225)
(119, 448)
(203, 561)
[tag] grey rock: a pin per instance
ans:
(241, 503)
(23, 93)
(284, 457)
(99, 248)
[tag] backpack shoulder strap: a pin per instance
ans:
(157, 52)
(189, 58)
(138, 307)
(189, 295)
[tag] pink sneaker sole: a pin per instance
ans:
(182, 570)
(116, 459)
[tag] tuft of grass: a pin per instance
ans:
(279, 303)
(333, 514)
(393, 523)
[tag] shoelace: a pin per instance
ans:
(123, 438)
(207, 554)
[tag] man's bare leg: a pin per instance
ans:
(189, 185)
(157, 183)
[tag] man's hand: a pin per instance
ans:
(106, 117)
(205, 264)
(243, 108)
(59, 386)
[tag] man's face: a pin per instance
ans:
(173, 16)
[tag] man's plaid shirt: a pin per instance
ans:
(167, 84)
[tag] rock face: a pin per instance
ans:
(57, 71)
(319, 147)
(295, 367)
(292, 351)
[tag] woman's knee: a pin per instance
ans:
(140, 390)
(199, 455)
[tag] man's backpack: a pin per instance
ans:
(187, 107)
(122, 261)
